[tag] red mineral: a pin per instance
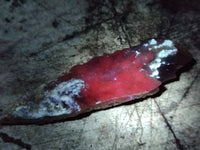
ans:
(107, 80)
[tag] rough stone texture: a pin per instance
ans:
(42, 39)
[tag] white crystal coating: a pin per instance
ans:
(99, 102)
(155, 73)
(166, 43)
(162, 51)
(166, 52)
(137, 53)
(152, 42)
(146, 44)
(155, 65)
(59, 101)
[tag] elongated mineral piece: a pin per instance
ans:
(107, 80)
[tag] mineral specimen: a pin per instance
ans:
(107, 80)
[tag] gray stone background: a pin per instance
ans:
(42, 39)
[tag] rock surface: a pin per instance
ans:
(41, 40)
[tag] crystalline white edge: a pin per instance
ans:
(152, 42)
(58, 101)
(165, 49)
(98, 102)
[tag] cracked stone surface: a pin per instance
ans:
(40, 40)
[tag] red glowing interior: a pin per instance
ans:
(116, 77)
